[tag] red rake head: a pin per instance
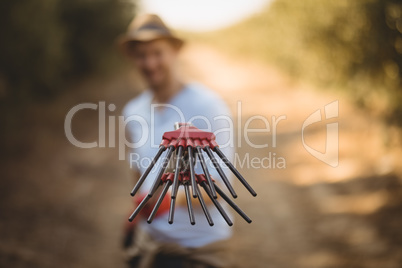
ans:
(189, 139)
(187, 135)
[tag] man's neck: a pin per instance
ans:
(164, 93)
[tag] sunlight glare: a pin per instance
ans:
(202, 15)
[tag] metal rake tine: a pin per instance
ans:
(220, 171)
(192, 172)
(146, 173)
(175, 186)
(159, 202)
(204, 206)
(161, 171)
(235, 171)
(189, 205)
(206, 172)
(232, 204)
(217, 205)
(171, 210)
(141, 206)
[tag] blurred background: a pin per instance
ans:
(62, 206)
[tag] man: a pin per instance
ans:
(154, 50)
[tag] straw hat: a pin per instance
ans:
(146, 28)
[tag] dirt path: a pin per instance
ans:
(309, 214)
(62, 206)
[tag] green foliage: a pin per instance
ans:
(46, 43)
(355, 46)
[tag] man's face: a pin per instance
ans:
(155, 60)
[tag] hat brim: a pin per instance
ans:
(147, 36)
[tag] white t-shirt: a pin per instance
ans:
(206, 111)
